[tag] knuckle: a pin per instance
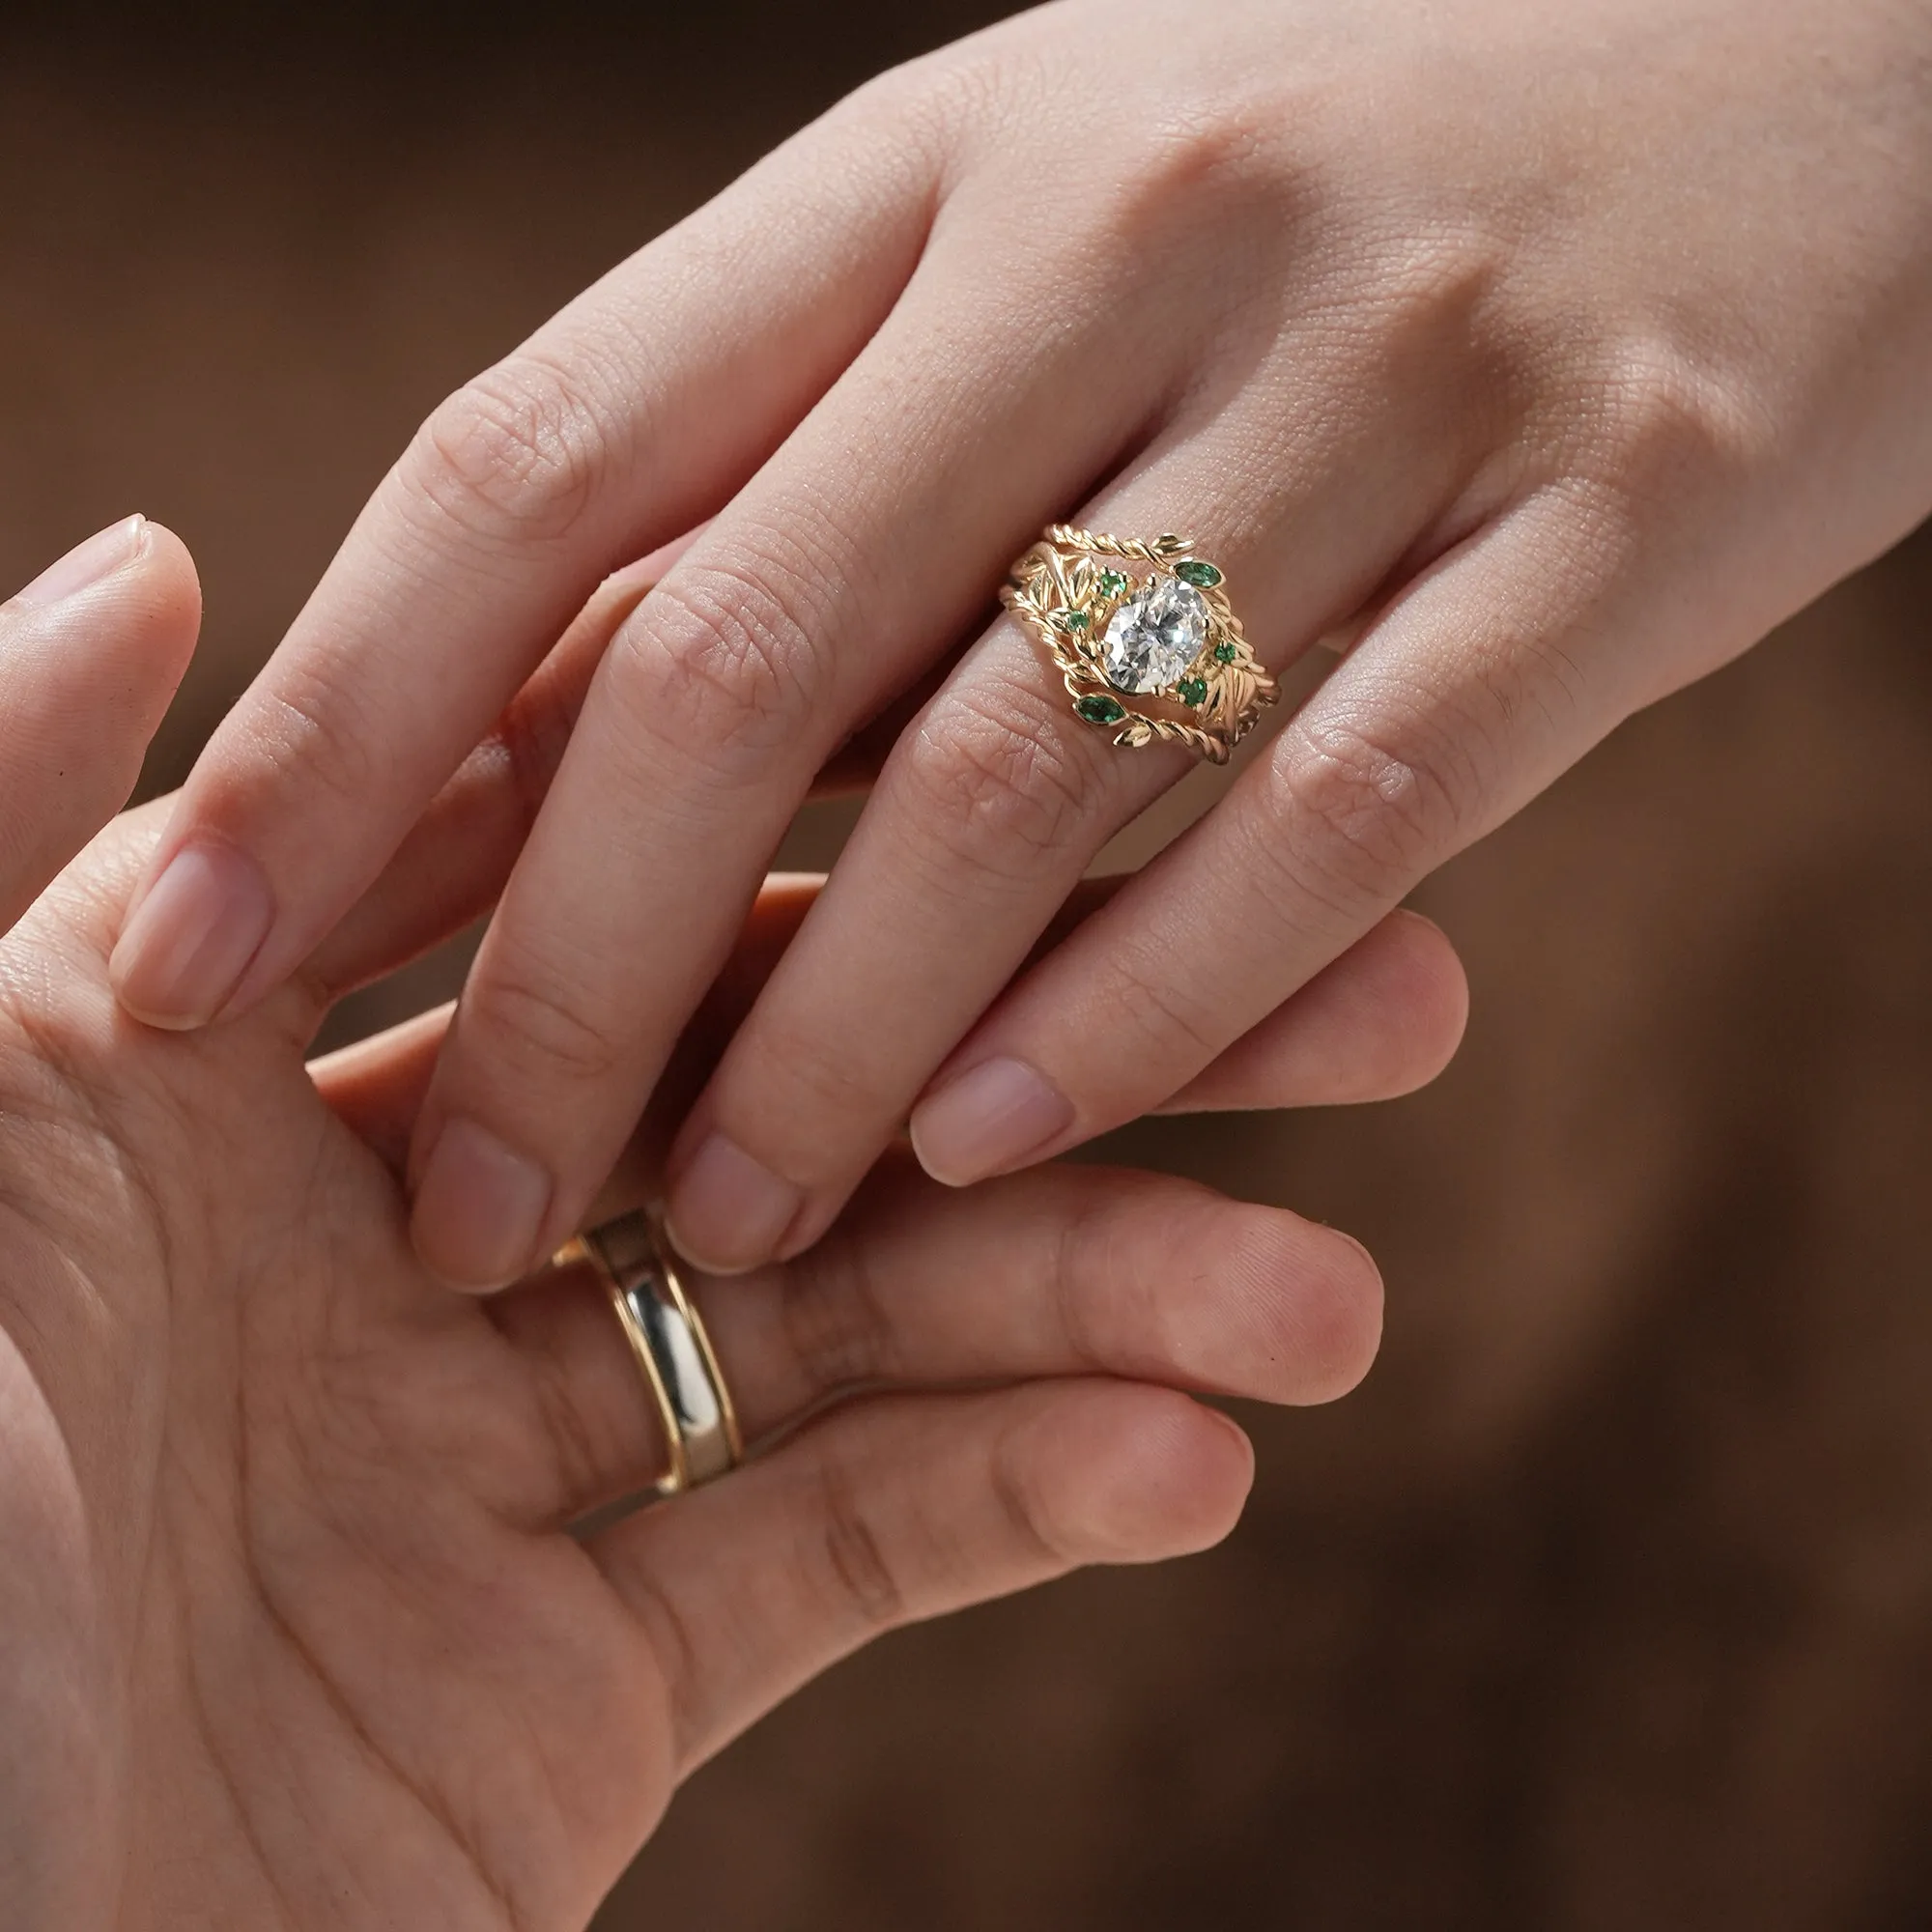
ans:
(1194, 152)
(814, 1090)
(934, 101)
(525, 748)
(325, 734)
(1190, 152)
(835, 1322)
(1159, 1018)
(1023, 1510)
(514, 455)
(1083, 1262)
(680, 1648)
(723, 655)
(1000, 781)
(1666, 417)
(1434, 294)
(533, 1024)
(862, 1576)
(1135, 1273)
(1207, 196)
(1359, 810)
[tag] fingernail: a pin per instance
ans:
(727, 1211)
(986, 1121)
(86, 564)
(184, 952)
(479, 1208)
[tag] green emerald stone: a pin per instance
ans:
(1225, 653)
(1202, 576)
(1192, 690)
(1100, 710)
(1112, 584)
(1075, 620)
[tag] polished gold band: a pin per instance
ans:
(670, 1348)
(1144, 638)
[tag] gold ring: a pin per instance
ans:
(1144, 638)
(669, 1346)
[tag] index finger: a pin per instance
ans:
(631, 415)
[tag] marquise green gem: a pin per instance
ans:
(1076, 620)
(1202, 576)
(1192, 690)
(1112, 584)
(1225, 653)
(1100, 710)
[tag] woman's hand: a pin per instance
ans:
(1550, 354)
(292, 1631)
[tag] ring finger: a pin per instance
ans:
(1062, 1272)
(987, 814)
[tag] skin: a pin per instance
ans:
(1547, 355)
(292, 1633)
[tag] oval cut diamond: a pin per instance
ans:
(1155, 635)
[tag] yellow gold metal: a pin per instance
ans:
(669, 1345)
(1067, 589)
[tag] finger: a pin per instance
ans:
(1483, 683)
(1064, 1272)
(1385, 1019)
(450, 870)
(376, 1086)
(987, 812)
(799, 611)
(899, 1510)
(629, 417)
(1382, 1020)
(90, 655)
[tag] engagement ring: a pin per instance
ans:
(1144, 638)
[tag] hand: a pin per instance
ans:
(291, 1629)
(1550, 354)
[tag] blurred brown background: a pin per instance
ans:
(1608, 1603)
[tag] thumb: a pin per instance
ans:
(90, 655)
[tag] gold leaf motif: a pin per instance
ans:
(1060, 577)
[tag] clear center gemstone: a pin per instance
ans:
(1155, 635)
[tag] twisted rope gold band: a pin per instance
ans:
(1097, 543)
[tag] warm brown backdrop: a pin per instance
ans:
(1609, 1602)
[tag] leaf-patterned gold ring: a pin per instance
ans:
(1144, 638)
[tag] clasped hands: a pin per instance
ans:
(293, 1627)
(1548, 356)
(1539, 358)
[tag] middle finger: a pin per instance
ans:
(793, 617)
